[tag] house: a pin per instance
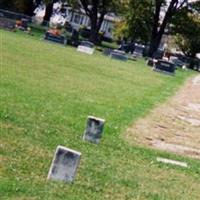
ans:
(78, 18)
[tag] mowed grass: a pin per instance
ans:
(46, 93)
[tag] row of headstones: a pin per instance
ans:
(138, 53)
(85, 46)
(88, 47)
(66, 161)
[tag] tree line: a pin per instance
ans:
(145, 21)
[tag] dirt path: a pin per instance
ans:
(174, 126)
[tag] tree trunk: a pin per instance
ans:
(95, 21)
(157, 34)
(154, 41)
(93, 29)
(49, 11)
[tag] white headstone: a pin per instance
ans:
(94, 129)
(85, 49)
(64, 164)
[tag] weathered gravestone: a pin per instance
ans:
(94, 129)
(164, 66)
(64, 164)
(139, 50)
(86, 47)
(55, 38)
(119, 55)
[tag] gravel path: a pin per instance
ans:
(174, 126)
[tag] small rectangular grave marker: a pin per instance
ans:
(164, 66)
(119, 55)
(86, 47)
(173, 162)
(64, 164)
(94, 129)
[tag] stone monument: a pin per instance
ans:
(94, 129)
(64, 164)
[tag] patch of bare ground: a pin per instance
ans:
(173, 126)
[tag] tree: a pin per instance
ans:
(121, 30)
(96, 11)
(159, 26)
(21, 6)
(49, 9)
(186, 27)
(24, 6)
(147, 20)
(139, 17)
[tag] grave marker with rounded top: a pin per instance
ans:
(64, 164)
(94, 129)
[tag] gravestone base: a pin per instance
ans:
(164, 67)
(163, 72)
(94, 129)
(64, 165)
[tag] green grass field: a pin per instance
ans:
(46, 93)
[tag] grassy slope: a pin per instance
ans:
(47, 91)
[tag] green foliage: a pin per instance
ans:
(21, 6)
(186, 26)
(121, 30)
(139, 19)
(137, 22)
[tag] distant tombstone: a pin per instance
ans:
(139, 50)
(86, 47)
(94, 129)
(158, 54)
(64, 164)
(177, 61)
(55, 38)
(107, 51)
(119, 55)
(151, 62)
(165, 67)
(75, 37)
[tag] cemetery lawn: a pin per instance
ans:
(46, 93)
